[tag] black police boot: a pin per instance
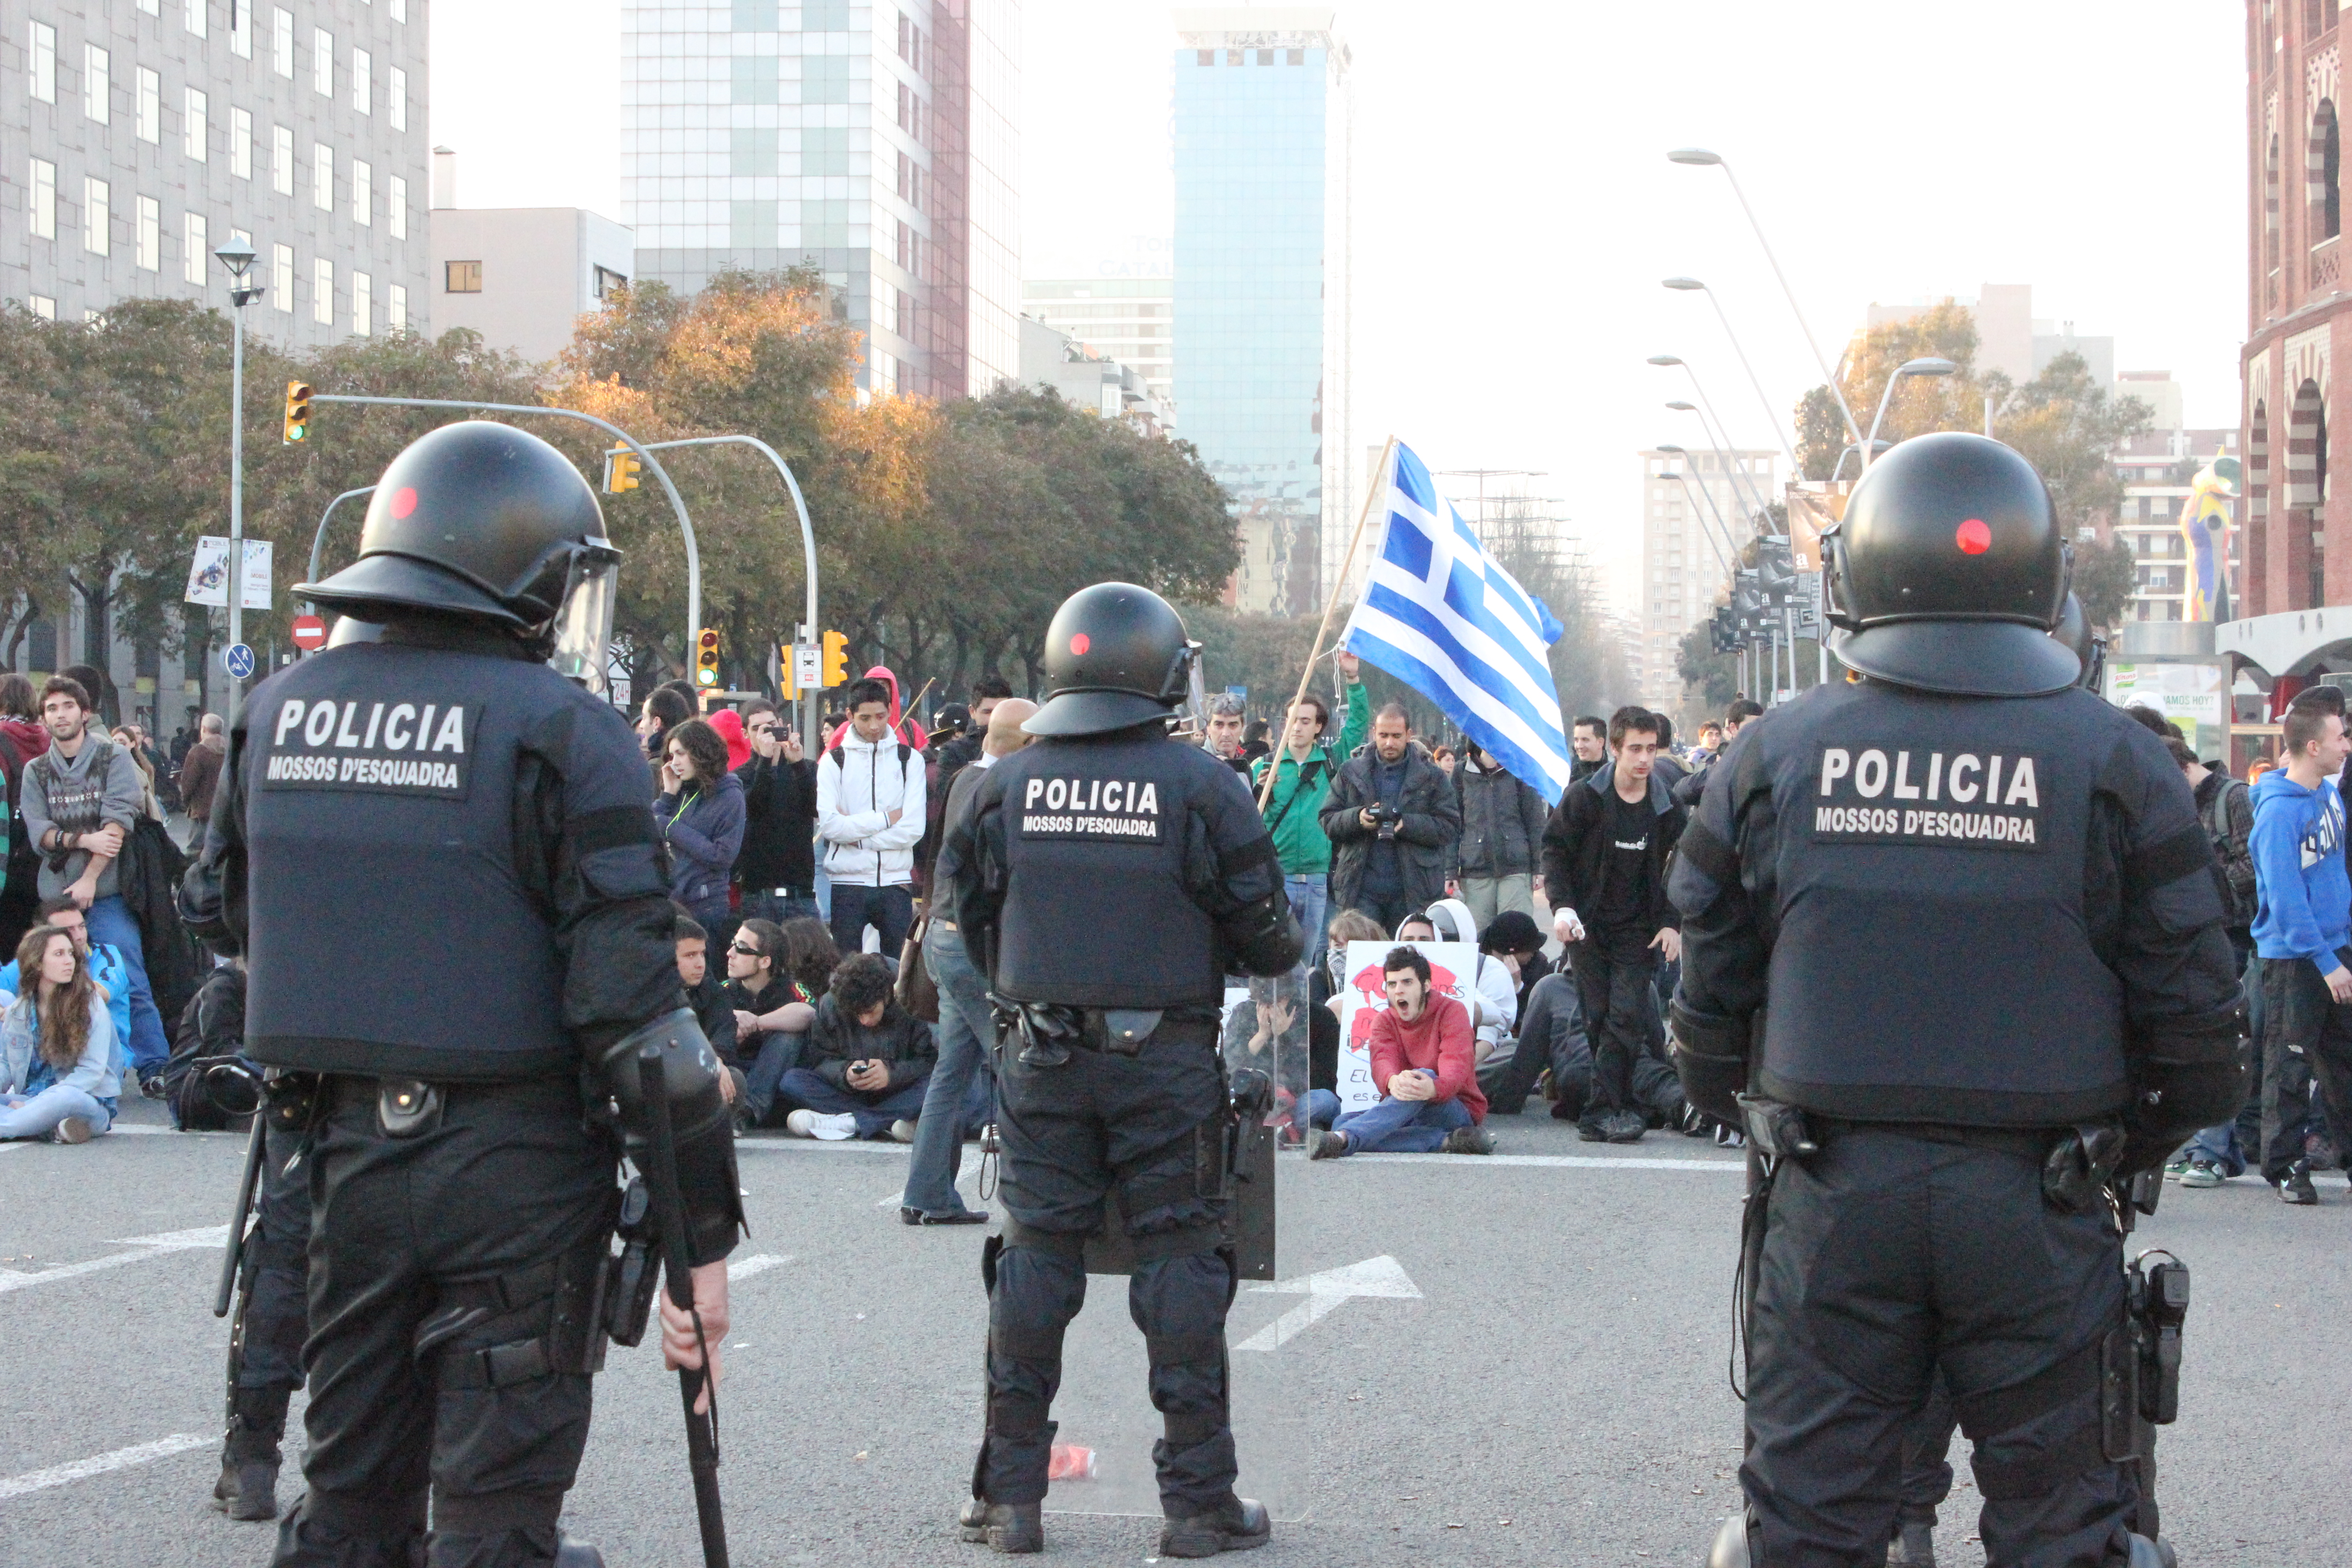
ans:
(1914, 1546)
(1237, 1525)
(571, 1554)
(1007, 1527)
(247, 1488)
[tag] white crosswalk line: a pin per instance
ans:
(99, 1464)
(744, 1268)
(195, 1240)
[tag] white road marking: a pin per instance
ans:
(1564, 1161)
(1326, 1291)
(744, 1268)
(99, 1464)
(965, 1170)
(14, 1144)
(816, 1145)
(195, 1240)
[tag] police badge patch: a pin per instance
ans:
(1973, 800)
(1124, 810)
(381, 747)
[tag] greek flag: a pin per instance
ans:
(1439, 614)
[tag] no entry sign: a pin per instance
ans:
(310, 633)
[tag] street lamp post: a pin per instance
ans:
(1692, 285)
(1706, 402)
(1699, 157)
(1908, 367)
(1743, 490)
(237, 257)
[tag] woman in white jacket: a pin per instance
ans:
(58, 1078)
(870, 815)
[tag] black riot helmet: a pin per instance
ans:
(2074, 629)
(1948, 572)
(1116, 655)
(475, 520)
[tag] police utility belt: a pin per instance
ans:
(2135, 1366)
(564, 1309)
(1050, 1031)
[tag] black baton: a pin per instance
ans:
(669, 1212)
(245, 1186)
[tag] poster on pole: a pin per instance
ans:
(2191, 694)
(1452, 968)
(208, 573)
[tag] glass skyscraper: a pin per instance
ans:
(874, 142)
(1261, 287)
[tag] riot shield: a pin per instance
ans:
(1102, 1454)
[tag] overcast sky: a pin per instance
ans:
(1515, 210)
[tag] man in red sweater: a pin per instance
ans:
(1424, 1057)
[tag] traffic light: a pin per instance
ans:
(786, 677)
(298, 412)
(706, 657)
(836, 661)
(620, 471)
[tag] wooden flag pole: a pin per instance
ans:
(1323, 628)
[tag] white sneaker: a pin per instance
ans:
(831, 1129)
(903, 1131)
(72, 1130)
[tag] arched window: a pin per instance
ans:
(2325, 165)
(2270, 209)
(2307, 493)
(2254, 589)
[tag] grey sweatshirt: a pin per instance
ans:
(69, 793)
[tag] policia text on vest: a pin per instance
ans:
(397, 746)
(1983, 799)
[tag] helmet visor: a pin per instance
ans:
(584, 627)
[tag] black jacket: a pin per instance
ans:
(2226, 808)
(901, 1040)
(1501, 823)
(779, 825)
(1424, 839)
(1576, 846)
(715, 1010)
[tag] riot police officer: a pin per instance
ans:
(437, 855)
(1108, 877)
(1950, 935)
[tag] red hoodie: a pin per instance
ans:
(1441, 1041)
(29, 736)
(908, 730)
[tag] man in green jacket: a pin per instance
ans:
(1306, 761)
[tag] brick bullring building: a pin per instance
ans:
(2296, 554)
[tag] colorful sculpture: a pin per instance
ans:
(2205, 529)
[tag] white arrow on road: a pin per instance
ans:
(1326, 1291)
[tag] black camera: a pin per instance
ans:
(1385, 818)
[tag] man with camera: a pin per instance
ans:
(1392, 819)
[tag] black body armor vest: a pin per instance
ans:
(391, 930)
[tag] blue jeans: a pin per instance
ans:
(2233, 1146)
(1310, 899)
(769, 907)
(23, 1118)
(889, 911)
(780, 1053)
(803, 1088)
(110, 921)
(1391, 1127)
(963, 1084)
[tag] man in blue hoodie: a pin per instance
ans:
(2303, 932)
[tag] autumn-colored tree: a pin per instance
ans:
(1922, 402)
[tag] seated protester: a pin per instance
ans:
(209, 1079)
(106, 969)
(1551, 1035)
(869, 1061)
(1266, 1030)
(1496, 983)
(1420, 1057)
(1514, 932)
(710, 1003)
(772, 1014)
(1323, 989)
(60, 1079)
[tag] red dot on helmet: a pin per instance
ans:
(404, 500)
(1080, 642)
(1973, 537)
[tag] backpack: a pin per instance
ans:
(2240, 902)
